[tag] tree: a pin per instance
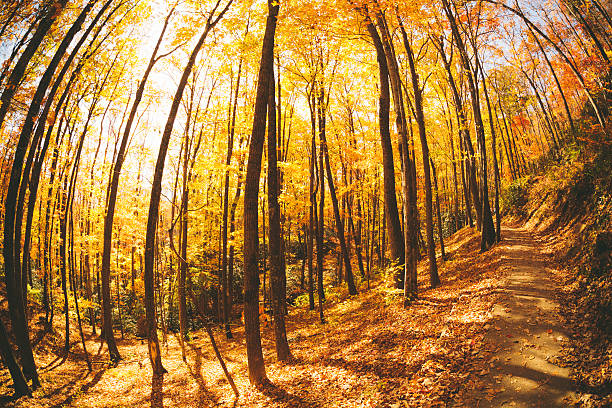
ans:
(19, 381)
(396, 242)
(153, 217)
(488, 229)
(257, 371)
(12, 244)
(417, 91)
(277, 262)
(112, 200)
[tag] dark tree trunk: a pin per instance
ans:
(438, 213)
(311, 207)
(12, 217)
(224, 260)
(410, 213)
(319, 235)
(19, 381)
(434, 279)
(37, 169)
(488, 229)
(495, 165)
(277, 264)
(183, 266)
(110, 210)
(152, 222)
(465, 143)
(257, 370)
(396, 240)
(332, 191)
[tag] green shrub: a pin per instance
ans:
(515, 196)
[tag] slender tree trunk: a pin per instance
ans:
(434, 279)
(232, 222)
(311, 209)
(320, 217)
(224, 259)
(396, 240)
(133, 273)
(488, 229)
(494, 152)
(78, 313)
(257, 371)
(277, 265)
(152, 222)
(183, 265)
(465, 140)
(319, 243)
(439, 215)
(111, 203)
(455, 181)
(332, 191)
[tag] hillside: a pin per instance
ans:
(305, 203)
(370, 352)
(493, 332)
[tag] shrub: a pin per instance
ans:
(514, 197)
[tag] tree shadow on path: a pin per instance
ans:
(279, 395)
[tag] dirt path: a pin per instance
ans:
(527, 331)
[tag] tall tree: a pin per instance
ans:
(488, 228)
(277, 262)
(153, 217)
(417, 91)
(396, 241)
(11, 239)
(111, 201)
(350, 281)
(257, 370)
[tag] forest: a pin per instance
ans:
(306, 203)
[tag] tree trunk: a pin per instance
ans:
(257, 371)
(183, 265)
(465, 143)
(19, 381)
(149, 256)
(396, 241)
(311, 207)
(224, 260)
(494, 152)
(11, 249)
(42, 119)
(439, 215)
(277, 264)
(488, 229)
(434, 279)
(332, 191)
(111, 203)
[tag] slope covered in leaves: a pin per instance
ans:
(371, 352)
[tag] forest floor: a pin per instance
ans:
(487, 337)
